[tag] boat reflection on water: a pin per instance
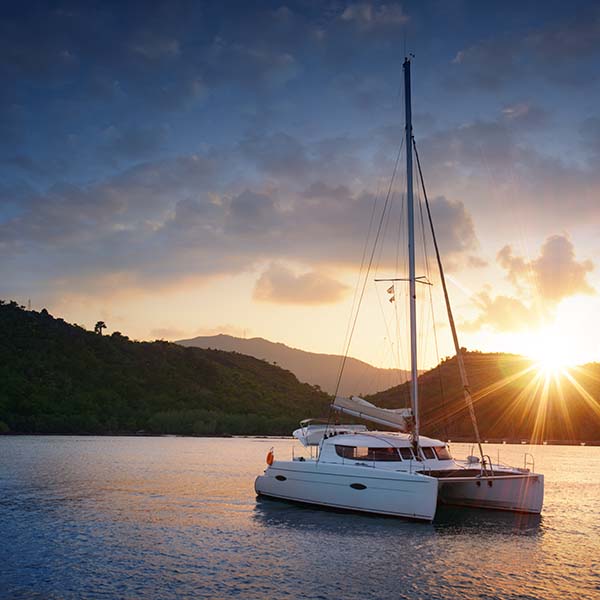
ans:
(449, 521)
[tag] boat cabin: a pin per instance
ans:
(383, 449)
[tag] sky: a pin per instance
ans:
(186, 168)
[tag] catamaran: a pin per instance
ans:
(399, 472)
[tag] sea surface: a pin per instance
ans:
(135, 517)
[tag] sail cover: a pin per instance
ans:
(398, 418)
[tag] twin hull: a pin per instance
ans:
(397, 493)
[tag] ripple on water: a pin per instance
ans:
(177, 518)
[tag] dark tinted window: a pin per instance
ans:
(428, 452)
(362, 453)
(406, 453)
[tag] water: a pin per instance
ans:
(117, 517)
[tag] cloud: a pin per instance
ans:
(368, 15)
(253, 214)
(524, 114)
(501, 313)
(454, 228)
(132, 143)
(206, 215)
(276, 154)
(540, 283)
(490, 161)
(563, 52)
(554, 274)
(280, 285)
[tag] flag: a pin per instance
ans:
(393, 298)
(390, 290)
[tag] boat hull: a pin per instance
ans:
(516, 493)
(354, 488)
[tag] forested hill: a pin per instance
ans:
(317, 369)
(59, 378)
(514, 398)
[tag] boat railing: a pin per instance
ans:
(529, 462)
(487, 461)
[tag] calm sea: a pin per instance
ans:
(119, 517)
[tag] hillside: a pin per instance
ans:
(513, 400)
(310, 367)
(59, 378)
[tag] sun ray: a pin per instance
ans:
(539, 426)
(565, 414)
(585, 395)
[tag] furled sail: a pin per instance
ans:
(397, 418)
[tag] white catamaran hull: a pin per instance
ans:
(518, 493)
(354, 488)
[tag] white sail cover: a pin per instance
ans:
(398, 418)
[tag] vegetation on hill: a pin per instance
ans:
(311, 367)
(514, 399)
(60, 378)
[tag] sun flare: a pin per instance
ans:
(553, 354)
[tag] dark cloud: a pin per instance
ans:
(276, 154)
(252, 214)
(133, 143)
(562, 52)
(491, 160)
(280, 285)
(172, 139)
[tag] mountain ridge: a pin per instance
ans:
(315, 368)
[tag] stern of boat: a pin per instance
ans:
(516, 492)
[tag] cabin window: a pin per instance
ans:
(442, 453)
(406, 453)
(370, 454)
(428, 453)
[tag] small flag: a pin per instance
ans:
(393, 299)
(390, 290)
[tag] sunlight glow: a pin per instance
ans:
(552, 350)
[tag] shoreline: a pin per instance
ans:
(497, 441)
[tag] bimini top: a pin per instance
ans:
(358, 407)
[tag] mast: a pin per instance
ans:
(414, 389)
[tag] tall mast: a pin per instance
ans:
(414, 389)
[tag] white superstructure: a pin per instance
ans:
(379, 472)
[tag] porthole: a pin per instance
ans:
(280, 477)
(358, 486)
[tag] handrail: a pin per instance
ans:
(529, 462)
(489, 460)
